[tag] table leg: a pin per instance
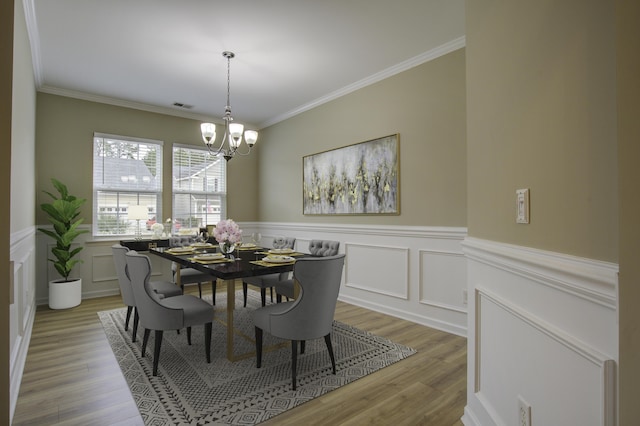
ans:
(177, 277)
(231, 304)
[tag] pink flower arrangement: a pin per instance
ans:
(227, 231)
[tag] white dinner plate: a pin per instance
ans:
(278, 259)
(208, 256)
(281, 251)
(201, 245)
(177, 250)
(248, 245)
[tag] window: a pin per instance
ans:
(199, 188)
(126, 172)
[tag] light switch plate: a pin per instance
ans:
(522, 205)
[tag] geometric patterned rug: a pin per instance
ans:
(188, 391)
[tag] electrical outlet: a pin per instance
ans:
(524, 412)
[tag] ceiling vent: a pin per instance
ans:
(181, 105)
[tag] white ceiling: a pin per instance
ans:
(291, 55)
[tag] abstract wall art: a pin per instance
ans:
(356, 179)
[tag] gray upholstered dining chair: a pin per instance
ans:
(285, 287)
(265, 282)
(172, 313)
(164, 288)
(308, 317)
(190, 275)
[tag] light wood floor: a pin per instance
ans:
(71, 376)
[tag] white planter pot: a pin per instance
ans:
(64, 295)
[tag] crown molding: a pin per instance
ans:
(34, 40)
(124, 103)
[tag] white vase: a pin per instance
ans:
(64, 295)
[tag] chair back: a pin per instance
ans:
(324, 247)
(284, 242)
(120, 261)
(180, 241)
(311, 315)
(153, 315)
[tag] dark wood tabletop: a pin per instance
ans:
(229, 270)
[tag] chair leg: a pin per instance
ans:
(327, 341)
(244, 292)
(294, 361)
(302, 345)
(189, 336)
(213, 291)
(134, 332)
(263, 296)
(278, 298)
(258, 347)
(145, 340)
(207, 340)
(200, 290)
(156, 351)
(271, 291)
(126, 322)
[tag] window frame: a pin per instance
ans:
(104, 187)
(219, 193)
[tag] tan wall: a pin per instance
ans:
(628, 46)
(541, 115)
(64, 143)
(424, 105)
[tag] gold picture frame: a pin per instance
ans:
(358, 179)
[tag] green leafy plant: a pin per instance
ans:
(63, 213)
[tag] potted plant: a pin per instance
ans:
(63, 213)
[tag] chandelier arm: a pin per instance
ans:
(237, 150)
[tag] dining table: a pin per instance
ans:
(247, 261)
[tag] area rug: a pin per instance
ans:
(188, 391)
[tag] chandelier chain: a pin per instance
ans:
(229, 82)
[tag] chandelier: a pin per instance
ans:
(233, 132)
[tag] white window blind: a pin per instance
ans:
(126, 171)
(199, 188)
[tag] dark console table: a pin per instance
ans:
(144, 244)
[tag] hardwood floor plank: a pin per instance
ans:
(71, 376)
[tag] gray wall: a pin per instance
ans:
(628, 61)
(542, 115)
(64, 144)
(424, 105)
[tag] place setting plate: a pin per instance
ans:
(180, 250)
(201, 245)
(282, 251)
(209, 256)
(278, 259)
(247, 246)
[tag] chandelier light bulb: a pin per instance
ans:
(208, 132)
(251, 137)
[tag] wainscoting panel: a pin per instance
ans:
(97, 269)
(378, 269)
(542, 328)
(22, 254)
(103, 268)
(414, 273)
(439, 271)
